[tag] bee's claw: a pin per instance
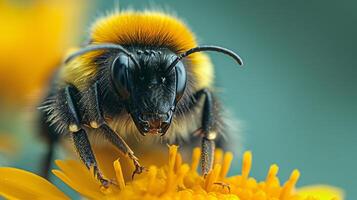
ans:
(138, 170)
(224, 185)
(205, 175)
(104, 182)
(107, 182)
(113, 182)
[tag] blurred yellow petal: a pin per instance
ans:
(20, 184)
(34, 37)
(322, 192)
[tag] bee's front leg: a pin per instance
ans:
(97, 122)
(84, 149)
(79, 135)
(208, 129)
(118, 142)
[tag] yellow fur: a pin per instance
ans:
(202, 69)
(79, 71)
(146, 28)
(141, 28)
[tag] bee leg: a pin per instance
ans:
(99, 123)
(85, 152)
(208, 129)
(118, 142)
(207, 153)
(80, 138)
(52, 138)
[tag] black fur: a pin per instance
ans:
(66, 105)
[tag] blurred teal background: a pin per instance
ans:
(296, 96)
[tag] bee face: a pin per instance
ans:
(150, 91)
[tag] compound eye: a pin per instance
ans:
(181, 80)
(120, 75)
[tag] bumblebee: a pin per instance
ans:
(141, 73)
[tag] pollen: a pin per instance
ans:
(94, 124)
(73, 128)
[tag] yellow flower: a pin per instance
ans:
(34, 36)
(175, 180)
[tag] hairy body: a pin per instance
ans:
(141, 74)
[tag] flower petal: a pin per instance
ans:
(322, 192)
(78, 177)
(82, 189)
(20, 184)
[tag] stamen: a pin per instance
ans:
(247, 164)
(151, 179)
(172, 156)
(273, 171)
(181, 173)
(178, 162)
(175, 181)
(290, 184)
(119, 174)
(218, 157)
(196, 153)
(212, 177)
(227, 160)
(172, 159)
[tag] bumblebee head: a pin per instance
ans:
(150, 81)
(150, 91)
